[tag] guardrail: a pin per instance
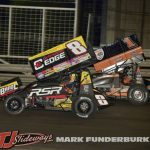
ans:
(8, 71)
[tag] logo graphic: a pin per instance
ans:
(10, 139)
(45, 91)
(48, 60)
(7, 139)
(8, 88)
(38, 64)
(99, 54)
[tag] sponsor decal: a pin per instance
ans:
(62, 66)
(13, 138)
(85, 78)
(59, 58)
(75, 47)
(38, 64)
(8, 88)
(80, 59)
(40, 75)
(48, 60)
(99, 54)
(45, 91)
(61, 47)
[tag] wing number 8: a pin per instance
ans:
(76, 47)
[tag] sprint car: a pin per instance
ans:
(64, 81)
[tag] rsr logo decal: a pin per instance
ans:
(45, 91)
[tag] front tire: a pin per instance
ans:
(138, 94)
(14, 105)
(83, 106)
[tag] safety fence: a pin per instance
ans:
(28, 30)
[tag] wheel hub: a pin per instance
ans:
(138, 95)
(14, 105)
(84, 106)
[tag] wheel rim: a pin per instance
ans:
(84, 107)
(14, 105)
(138, 95)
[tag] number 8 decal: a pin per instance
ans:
(76, 47)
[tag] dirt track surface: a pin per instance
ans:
(122, 119)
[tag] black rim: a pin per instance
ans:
(14, 105)
(84, 107)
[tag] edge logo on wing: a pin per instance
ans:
(40, 63)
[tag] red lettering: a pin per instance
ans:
(3, 137)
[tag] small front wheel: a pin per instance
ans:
(14, 104)
(83, 106)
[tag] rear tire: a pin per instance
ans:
(138, 94)
(83, 106)
(14, 105)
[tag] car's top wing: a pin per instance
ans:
(120, 51)
(60, 58)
